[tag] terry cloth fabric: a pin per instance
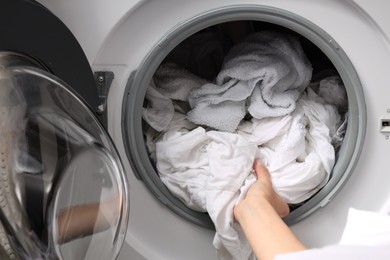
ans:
(211, 171)
(264, 74)
(176, 82)
(169, 83)
(366, 236)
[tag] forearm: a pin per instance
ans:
(266, 232)
(83, 220)
(77, 221)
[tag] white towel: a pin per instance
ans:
(176, 82)
(169, 83)
(219, 107)
(267, 71)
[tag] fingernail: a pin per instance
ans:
(259, 162)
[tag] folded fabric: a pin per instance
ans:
(219, 107)
(265, 75)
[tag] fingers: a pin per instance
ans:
(282, 209)
(260, 169)
(264, 177)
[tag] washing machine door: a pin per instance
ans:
(63, 192)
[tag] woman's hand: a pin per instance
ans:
(262, 192)
(259, 215)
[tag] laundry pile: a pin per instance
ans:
(204, 136)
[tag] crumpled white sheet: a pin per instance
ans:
(207, 173)
(211, 171)
(264, 74)
(297, 148)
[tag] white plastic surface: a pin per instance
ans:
(125, 32)
(91, 21)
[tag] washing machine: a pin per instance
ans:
(126, 41)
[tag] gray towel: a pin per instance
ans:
(264, 75)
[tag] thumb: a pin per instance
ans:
(260, 169)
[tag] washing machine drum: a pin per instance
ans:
(62, 189)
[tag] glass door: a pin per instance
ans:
(63, 191)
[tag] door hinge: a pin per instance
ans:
(103, 83)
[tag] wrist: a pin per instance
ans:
(248, 210)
